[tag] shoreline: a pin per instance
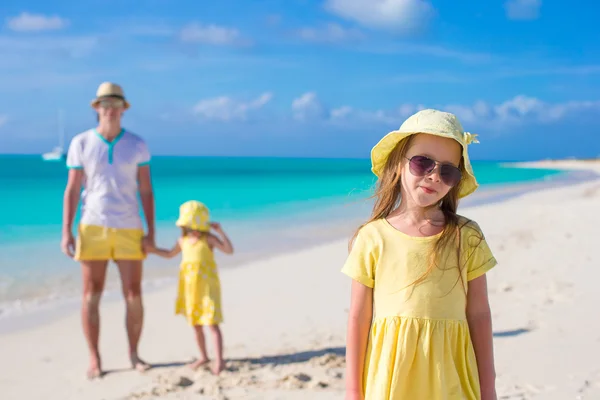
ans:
(30, 313)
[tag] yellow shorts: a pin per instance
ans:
(96, 243)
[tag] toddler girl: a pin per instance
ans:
(199, 294)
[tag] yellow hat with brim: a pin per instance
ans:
(193, 215)
(431, 122)
(109, 90)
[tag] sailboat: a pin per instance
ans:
(58, 152)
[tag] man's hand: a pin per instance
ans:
(67, 244)
(148, 244)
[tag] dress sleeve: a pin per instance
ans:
(360, 264)
(479, 256)
(74, 156)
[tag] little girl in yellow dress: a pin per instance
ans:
(419, 325)
(199, 292)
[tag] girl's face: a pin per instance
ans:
(196, 234)
(422, 185)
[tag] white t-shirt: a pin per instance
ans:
(110, 195)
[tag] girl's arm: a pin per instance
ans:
(223, 243)
(479, 318)
(359, 325)
(166, 253)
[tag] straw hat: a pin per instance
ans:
(432, 122)
(109, 89)
(193, 215)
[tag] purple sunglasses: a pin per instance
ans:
(423, 166)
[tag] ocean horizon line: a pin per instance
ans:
(295, 157)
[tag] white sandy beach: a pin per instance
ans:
(285, 320)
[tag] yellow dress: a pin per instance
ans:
(199, 294)
(419, 345)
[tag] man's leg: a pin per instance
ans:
(131, 282)
(94, 275)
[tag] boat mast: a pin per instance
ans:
(61, 129)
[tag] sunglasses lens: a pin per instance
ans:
(421, 165)
(112, 103)
(450, 175)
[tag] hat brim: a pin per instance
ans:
(97, 100)
(185, 223)
(382, 150)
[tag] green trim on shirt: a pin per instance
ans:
(112, 144)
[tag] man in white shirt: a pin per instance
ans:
(112, 166)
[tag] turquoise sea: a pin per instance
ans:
(265, 204)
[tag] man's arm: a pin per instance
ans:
(70, 202)
(147, 197)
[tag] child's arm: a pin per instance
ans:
(166, 253)
(479, 318)
(223, 243)
(359, 324)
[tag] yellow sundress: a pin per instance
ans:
(199, 293)
(419, 345)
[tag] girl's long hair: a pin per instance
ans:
(388, 197)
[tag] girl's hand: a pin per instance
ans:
(216, 226)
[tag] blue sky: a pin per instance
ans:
(323, 78)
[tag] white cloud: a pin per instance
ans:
(393, 15)
(210, 34)
(428, 50)
(3, 119)
(341, 112)
(529, 108)
(225, 108)
(330, 33)
(64, 45)
(26, 22)
(520, 109)
(308, 107)
(522, 9)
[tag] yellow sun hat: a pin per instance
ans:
(193, 215)
(431, 122)
(109, 89)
